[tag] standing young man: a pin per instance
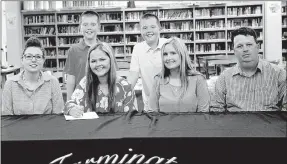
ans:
(77, 55)
(146, 57)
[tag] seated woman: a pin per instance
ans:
(179, 87)
(101, 90)
(32, 91)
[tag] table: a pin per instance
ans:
(9, 70)
(119, 126)
(44, 138)
(217, 60)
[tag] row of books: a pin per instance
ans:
(190, 48)
(112, 28)
(69, 4)
(75, 18)
(133, 15)
(51, 52)
(129, 50)
(209, 47)
(39, 30)
(68, 29)
(112, 39)
(137, 38)
(244, 10)
(284, 21)
(62, 64)
(62, 52)
(39, 19)
(209, 24)
(209, 12)
(186, 25)
(69, 18)
(133, 39)
(133, 27)
(183, 36)
(137, 15)
(254, 22)
(50, 63)
(175, 14)
(210, 35)
(39, 5)
(68, 40)
(111, 17)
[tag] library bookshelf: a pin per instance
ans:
(205, 29)
(284, 32)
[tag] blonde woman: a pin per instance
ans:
(179, 87)
(101, 90)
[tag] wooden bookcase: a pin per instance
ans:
(205, 29)
(284, 32)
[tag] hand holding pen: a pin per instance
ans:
(77, 111)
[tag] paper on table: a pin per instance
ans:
(86, 116)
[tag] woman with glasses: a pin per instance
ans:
(101, 90)
(32, 91)
(179, 87)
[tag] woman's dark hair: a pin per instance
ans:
(34, 42)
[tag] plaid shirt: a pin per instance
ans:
(263, 91)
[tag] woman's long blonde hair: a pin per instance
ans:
(186, 67)
(93, 81)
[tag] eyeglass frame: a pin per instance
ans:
(34, 56)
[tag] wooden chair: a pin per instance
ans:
(202, 67)
(61, 76)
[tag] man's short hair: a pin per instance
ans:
(90, 13)
(243, 31)
(150, 15)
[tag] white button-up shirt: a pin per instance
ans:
(148, 63)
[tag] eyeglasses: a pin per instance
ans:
(30, 57)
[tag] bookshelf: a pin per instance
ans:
(284, 33)
(204, 29)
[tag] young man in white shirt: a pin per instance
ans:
(146, 57)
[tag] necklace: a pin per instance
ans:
(175, 89)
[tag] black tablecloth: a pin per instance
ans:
(114, 126)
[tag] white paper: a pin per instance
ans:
(11, 20)
(86, 116)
